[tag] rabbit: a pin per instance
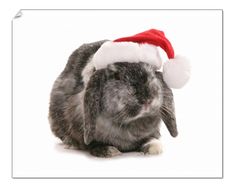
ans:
(112, 110)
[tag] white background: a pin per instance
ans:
(9, 9)
(43, 41)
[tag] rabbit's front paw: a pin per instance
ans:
(153, 146)
(105, 151)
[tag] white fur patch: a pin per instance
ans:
(87, 72)
(111, 52)
(155, 146)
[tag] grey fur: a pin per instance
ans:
(118, 110)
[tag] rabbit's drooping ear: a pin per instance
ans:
(92, 107)
(168, 108)
(168, 116)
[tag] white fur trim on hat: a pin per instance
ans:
(176, 72)
(111, 52)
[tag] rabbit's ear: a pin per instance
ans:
(168, 112)
(92, 104)
(159, 75)
(88, 136)
(167, 108)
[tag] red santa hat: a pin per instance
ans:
(142, 47)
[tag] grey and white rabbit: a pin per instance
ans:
(111, 110)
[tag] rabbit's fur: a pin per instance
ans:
(111, 110)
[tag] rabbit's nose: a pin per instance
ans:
(147, 104)
(149, 101)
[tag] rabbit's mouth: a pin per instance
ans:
(151, 104)
(149, 108)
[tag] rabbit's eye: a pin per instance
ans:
(117, 76)
(144, 78)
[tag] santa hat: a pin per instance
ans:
(142, 47)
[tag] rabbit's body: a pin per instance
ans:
(118, 108)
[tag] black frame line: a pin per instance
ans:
(12, 104)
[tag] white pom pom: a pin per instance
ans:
(176, 72)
